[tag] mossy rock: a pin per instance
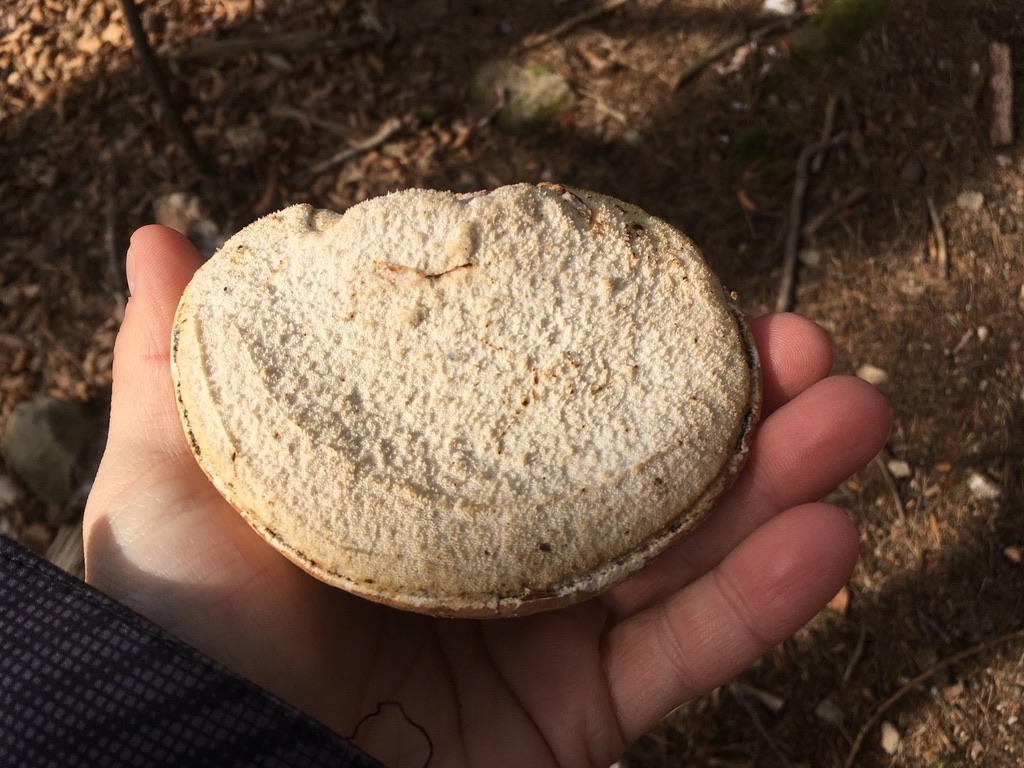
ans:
(534, 94)
(836, 29)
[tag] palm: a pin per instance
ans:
(570, 687)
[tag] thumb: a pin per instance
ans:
(144, 427)
(143, 415)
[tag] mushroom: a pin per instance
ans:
(480, 405)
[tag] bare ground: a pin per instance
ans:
(921, 642)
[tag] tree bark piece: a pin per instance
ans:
(1001, 82)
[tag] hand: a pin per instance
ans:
(571, 687)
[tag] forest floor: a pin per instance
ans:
(911, 258)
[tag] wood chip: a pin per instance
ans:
(872, 374)
(841, 601)
(890, 738)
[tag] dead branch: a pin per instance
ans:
(387, 129)
(730, 44)
(607, 6)
(787, 283)
(858, 652)
(912, 684)
(890, 483)
(828, 125)
(941, 250)
(158, 82)
(854, 196)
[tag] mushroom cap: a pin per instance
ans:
(466, 405)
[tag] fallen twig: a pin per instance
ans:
(890, 483)
(930, 672)
(787, 283)
(941, 250)
(157, 81)
(853, 128)
(853, 197)
(387, 129)
(730, 44)
(855, 657)
(532, 41)
(828, 125)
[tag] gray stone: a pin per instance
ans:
(533, 94)
(43, 442)
(970, 200)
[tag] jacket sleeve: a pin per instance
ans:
(84, 681)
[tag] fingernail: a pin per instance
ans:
(129, 271)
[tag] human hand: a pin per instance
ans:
(572, 687)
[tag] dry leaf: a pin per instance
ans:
(841, 601)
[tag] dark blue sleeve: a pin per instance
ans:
(84, 681)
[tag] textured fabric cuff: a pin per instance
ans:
(84, 681)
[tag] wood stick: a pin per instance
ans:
(730, 44)
(853, 197)
(387, 129)
(940, 665)
(855, 657)
(941, 251)
(890, 483)
(828, 125)
(607, 6)
(787, 283)
(158, 82)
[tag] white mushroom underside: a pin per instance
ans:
(471, 398)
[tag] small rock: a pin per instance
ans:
(532, 94)
(36, 537)
(810, 257)
(952, 693)
(828, 711)
(43, 443)
(872, 374)
(1014, 554)
(983, 487)
(970, 200)
(779, 7)
(983, 333)
(899, 469)
(185, 212)
(890, 738)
